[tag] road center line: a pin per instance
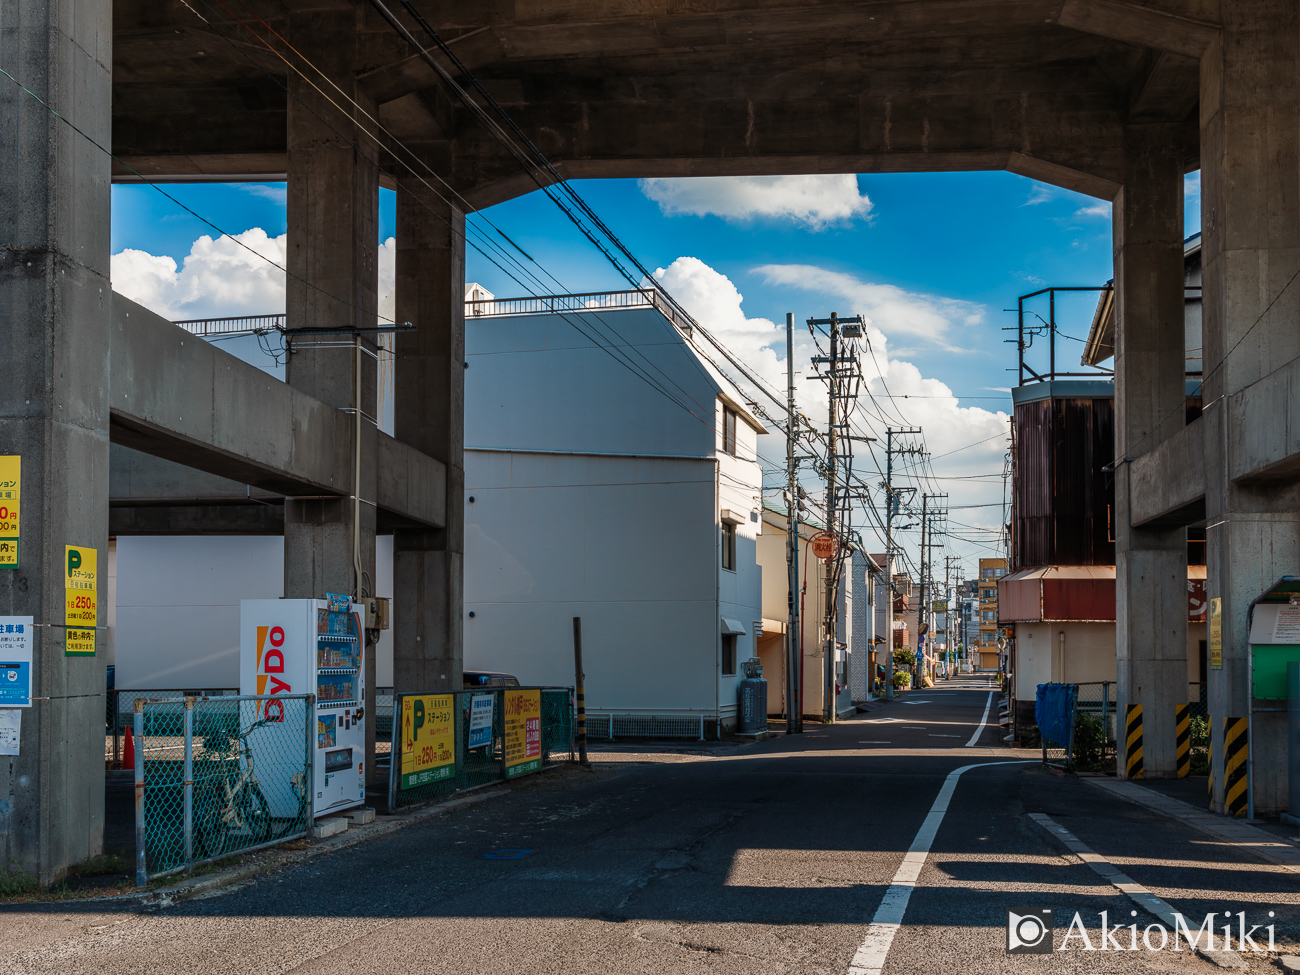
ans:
(870, 956)
(983, 721)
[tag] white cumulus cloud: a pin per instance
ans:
(893, 310)
(816, 201)
(966, 441)
(220, 278)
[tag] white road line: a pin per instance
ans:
(1138, 894)
(983, 721)
(870, 956)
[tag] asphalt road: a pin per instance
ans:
(768, 858)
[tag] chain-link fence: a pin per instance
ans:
(446, 743)
(219, 775)
(121, 704)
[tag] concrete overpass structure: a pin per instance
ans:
(1114, 98)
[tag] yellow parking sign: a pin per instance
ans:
(428, 739)
(80, 567)
(10, 488)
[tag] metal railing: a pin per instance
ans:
(457, 740)
(634, 723)
(489, 308)
(251, 324)
(567, 304)
(221, 775)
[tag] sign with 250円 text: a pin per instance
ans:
(79, 587)
(10, 488)
(428, 739)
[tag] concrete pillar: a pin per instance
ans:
(55, 304)
(333, 243)
(1250, 212)
(1150, 564)
(429, 414)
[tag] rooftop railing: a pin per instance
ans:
(490, 308)
(569, 304)
(233, 326)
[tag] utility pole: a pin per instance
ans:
(922, 617)
(947, 616)
(891, 509)
(828, 658)
(925, 615)
(837, 390)
(793, 661)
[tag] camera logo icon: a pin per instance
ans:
(1029, 931)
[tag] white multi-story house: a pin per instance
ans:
(611, 474)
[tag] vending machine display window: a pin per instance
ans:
(338, 659)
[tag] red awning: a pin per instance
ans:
(1077, 593)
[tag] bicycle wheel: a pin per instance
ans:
(210, 833)
(256, 813)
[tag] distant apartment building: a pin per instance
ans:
(987, 650)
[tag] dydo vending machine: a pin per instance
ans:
(312, 646)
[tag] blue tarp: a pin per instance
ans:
(1054, 712)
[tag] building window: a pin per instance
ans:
(728, 545)
(729, 654)
(729, 430)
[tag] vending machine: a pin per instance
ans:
(312, 646)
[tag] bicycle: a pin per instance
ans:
(238, 815)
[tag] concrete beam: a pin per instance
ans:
(474, 48)
(411, 487)
(1264, 429)
(138, 478)
(197, 519)
(184, 399)
(1167, 484)
(1139, 23)
(163, 375)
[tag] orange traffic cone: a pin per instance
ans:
(128, 750)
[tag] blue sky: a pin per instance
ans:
(982, 238)
(932, 259)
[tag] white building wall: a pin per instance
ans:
(546, 386)
(177, 606)
(628, 544)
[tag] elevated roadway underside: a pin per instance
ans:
(1039, 87)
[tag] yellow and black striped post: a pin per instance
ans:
(1133, 742)
(1182, 739)
(1234, 766)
